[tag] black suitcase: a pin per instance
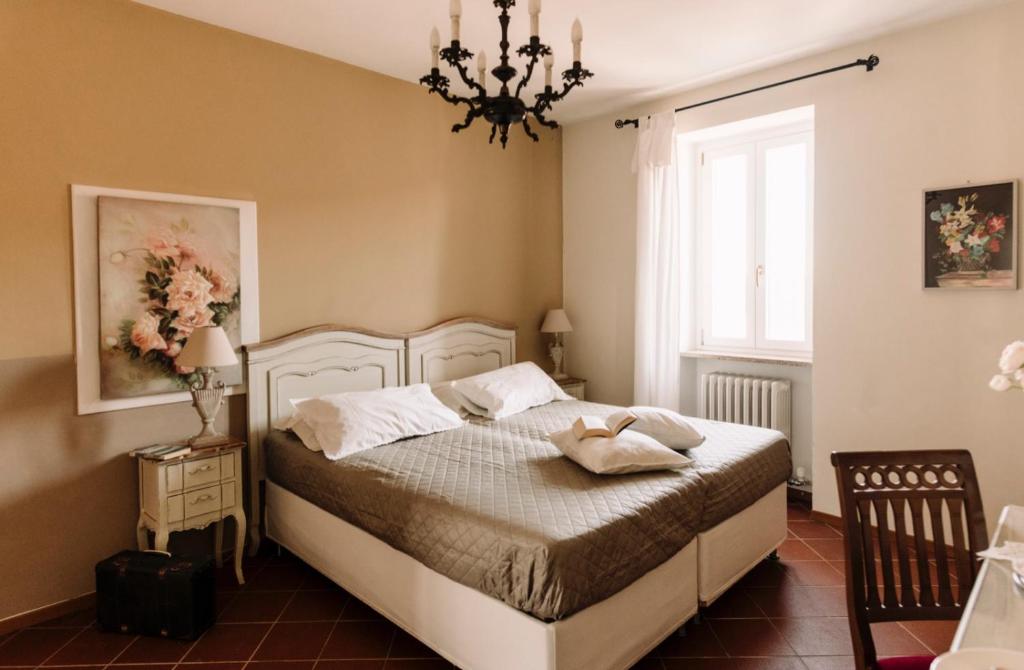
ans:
(154, 593)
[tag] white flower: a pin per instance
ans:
(145, 335)
(189, 292)
(973, 240)
(189, 321)
(1012, 358)
(954, 246)
(1000, 383)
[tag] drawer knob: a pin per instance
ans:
(204, 468)
(203, 498)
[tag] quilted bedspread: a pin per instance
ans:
(495, 506)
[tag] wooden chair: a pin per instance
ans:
(889, 501)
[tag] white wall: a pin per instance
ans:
(894, 367)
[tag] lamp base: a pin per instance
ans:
(557, 353)
(207, 398)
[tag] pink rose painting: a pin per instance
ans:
(165, 269)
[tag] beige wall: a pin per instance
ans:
(371, 213)
(894, 367)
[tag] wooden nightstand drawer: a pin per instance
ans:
(201, 471)
(194, 503)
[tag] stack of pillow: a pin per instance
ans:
(650, 442)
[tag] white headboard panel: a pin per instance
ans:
(459, 348)
(332, 359)
(315, 362)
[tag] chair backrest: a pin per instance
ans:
(891, 501)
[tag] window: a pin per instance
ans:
(754, 217)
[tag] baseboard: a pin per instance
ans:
(38, 616)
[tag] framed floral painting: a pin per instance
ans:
(150, 268)
(970, 236)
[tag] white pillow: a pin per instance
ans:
(301, 430)
(626, 452)
(510, 390)
(455, 401)
(347, 423)
(668, 427)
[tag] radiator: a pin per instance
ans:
(752, 401)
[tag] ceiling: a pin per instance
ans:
(638, 49)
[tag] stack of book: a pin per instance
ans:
(162, 452)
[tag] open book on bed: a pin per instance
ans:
(595, 426)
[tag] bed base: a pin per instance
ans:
(475, 631)
(729, 550)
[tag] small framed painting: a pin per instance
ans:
(150, 268)
(970, 236)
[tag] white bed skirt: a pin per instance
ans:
(729, 550)
(475, 631)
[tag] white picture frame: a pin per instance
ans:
(84, 223)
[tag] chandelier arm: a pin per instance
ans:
(538, 113)
(529, 73)
(529, 131)
(469, 81)
(535, 50)
(470, 117)
(452, 99)
(559, 95)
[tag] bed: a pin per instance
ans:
(482, 541)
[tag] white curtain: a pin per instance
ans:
(658, 265)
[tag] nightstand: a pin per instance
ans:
(193, 491)
(574, 386)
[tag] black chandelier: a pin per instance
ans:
(507, 108)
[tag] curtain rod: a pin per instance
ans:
(871, 62)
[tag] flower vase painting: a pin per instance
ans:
(165, 269)
(971, 237)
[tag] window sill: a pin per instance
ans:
(776, 359)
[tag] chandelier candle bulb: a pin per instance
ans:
(455, 11)
(577, 41)
(549, 64)
(535, 18)
(435, 48)
(481, 66)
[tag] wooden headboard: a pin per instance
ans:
(334, 359)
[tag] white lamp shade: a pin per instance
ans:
(556, 322)
(207, 348)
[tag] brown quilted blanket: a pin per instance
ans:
(495, 506)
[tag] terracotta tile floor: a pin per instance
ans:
(784, 615)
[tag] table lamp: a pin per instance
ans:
(557, 322)
(206, 350)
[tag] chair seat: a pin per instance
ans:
(906, 663)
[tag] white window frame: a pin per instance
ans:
(753, 145)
